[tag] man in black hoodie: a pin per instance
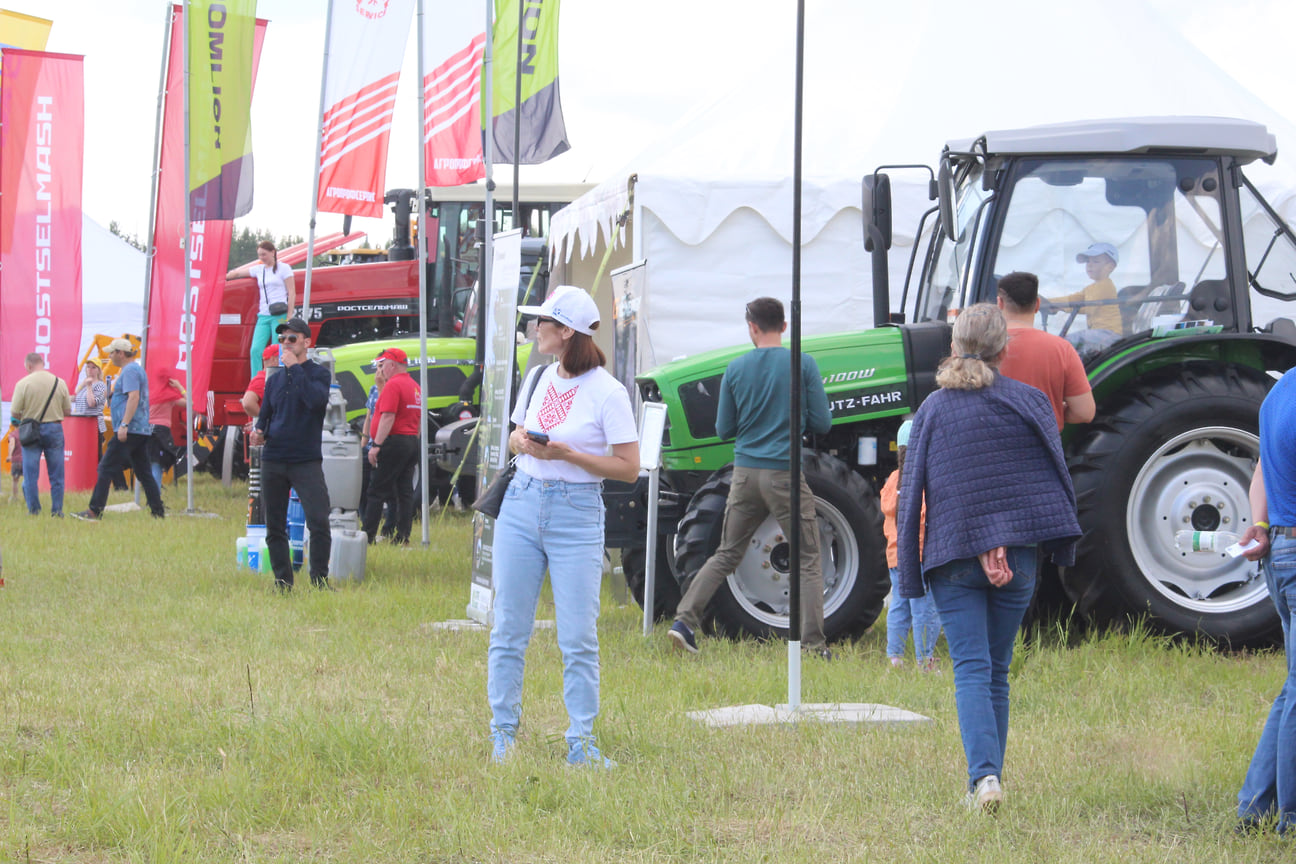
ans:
(290, 426)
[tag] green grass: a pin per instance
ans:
(158, 705)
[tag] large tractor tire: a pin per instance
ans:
(1174, 453)
(665, 586)
(753, 601)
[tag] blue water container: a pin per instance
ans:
(296, 528)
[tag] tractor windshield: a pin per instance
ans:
(1121, 245)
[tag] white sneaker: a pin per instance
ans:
(987, 795)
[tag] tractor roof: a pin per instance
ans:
(1242, 139)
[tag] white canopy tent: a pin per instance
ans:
(709, 204)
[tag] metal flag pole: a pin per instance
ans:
(157, 173)
(319, 146)
(422, 274)
(794, 538)
(488, 158)
(517, 122)
(188, 296)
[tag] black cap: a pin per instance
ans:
(296, 325)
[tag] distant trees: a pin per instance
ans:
(132, 239)
(243, 244)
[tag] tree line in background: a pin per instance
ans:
(243, 243)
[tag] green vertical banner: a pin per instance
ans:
(221, 34)
(544, 135)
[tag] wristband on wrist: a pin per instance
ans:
(1261, 524)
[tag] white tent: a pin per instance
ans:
(709, 205)
(112, 284)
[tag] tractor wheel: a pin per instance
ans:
(1175, 453)
(665, 587)
(754, 599)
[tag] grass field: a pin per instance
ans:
(161, 706)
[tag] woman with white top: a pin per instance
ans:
(277, 292)
(576, 429)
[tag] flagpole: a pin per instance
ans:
(157, 171)
(422, 274)
(319, 146)
(189, 327)
(488, 156)
(517, 119)
(794, 535)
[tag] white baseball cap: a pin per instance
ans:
(1096, 249)
(570, 306)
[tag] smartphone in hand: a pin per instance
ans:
(538, 437)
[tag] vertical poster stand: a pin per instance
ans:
(652, 426)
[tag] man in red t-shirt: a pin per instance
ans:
(1042, 360)
(394, 453)
(256, 387)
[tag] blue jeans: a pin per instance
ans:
(555, 525)
(918, 614)
(981, 623)
(1270, 785)
(262, 333)
(51, 446)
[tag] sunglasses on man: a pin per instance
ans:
(291, 339)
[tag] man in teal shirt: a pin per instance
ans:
(754, 399)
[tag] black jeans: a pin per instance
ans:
(393, 476)
(366, 477)
(119, 454)
(278, 479)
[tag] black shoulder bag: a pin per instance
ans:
(29, 429)
(492, 497)
(274, 308)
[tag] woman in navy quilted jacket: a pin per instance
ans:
(985, 455)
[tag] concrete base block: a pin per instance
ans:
(855, 713)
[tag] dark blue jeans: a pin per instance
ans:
(51, 447)
(1270, 785)
(981, 623)
(117, 455)
(278, 479)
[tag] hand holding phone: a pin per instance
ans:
(538, 437)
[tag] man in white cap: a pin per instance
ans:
(129, 407)
(1101, 311)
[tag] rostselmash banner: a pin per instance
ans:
(175, 341)
(42, 115)
(454, 42)
(221, 38)
(366, 48)
(544, 135)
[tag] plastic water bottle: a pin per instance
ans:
(1204, 541)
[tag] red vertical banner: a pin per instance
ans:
(42, 121)
(454, 42)
(174, 341)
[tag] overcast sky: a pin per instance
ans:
(616, 100)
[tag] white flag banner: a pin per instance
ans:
(454, 43)
(366, 48)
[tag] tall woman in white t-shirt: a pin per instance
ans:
(275, 284)
(552, 518)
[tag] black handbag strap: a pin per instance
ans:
(532, 382)
(48, 399)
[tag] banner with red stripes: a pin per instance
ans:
(454, 44)
(366, 48)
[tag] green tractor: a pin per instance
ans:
(1205, 303)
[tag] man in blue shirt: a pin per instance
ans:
(1268, 794)
(129, 408)
(753, 410)
(290, 427)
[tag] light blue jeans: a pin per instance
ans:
(547, 524)
(261, 336)
(918, 615)
(51, 447)
(981, 623)
(1270, 785)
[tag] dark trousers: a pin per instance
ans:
(393, 476)
(366, 477)
(278, 479)
(119, 454)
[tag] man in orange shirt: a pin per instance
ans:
(394, 451)
(1042, 360)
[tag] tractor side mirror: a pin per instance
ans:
(876, 204)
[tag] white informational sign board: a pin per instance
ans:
(496, 393)
(652, 426)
